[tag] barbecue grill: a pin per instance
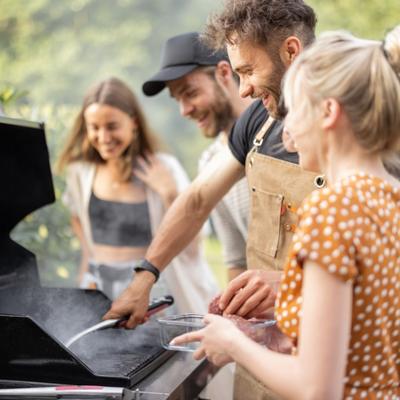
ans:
(36, 321)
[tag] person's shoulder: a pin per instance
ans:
(168, 159)
(254, 113)
(175, 168)
(257, 109)
(251, 120)
(79, 166)
(245, 128)
(214, 146)
(332, 194)
(209, 152)
(338, 200)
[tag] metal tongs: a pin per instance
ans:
(154, 307)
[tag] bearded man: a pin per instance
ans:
(202, 82)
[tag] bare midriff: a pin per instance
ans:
(112, 254)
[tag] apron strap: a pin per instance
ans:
(262, 133)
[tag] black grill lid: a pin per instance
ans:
(26, 186)
(26, 176)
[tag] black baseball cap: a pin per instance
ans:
(181, 54)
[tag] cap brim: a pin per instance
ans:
(157, 82)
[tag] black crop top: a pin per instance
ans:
(119, 224)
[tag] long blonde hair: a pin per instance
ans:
(115, 93)
(363, 76)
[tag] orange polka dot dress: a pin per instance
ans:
(352, 230)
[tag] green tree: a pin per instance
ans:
(369, 18)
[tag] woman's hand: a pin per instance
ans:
(217, 339)
(155, 174)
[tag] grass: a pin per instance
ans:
(213, 253)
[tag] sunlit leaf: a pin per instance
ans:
(62, 272)
(75, 244)
(43, 231)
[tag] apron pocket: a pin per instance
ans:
(265, 221)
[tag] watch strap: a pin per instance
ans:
(144, 265)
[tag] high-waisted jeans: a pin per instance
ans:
(113, 278)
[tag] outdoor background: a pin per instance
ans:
(53, 50)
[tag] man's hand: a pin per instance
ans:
(134, 300)
(251, 294)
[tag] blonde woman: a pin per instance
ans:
(339, 298)
(118, 189)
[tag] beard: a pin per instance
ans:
(276, 107)
(223, 115)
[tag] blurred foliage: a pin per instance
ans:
(47, 232)
(369, 18)
(56, 49)
(10, 96)
(212, 250)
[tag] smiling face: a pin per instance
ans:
(109, 130)
(202, 99)
(260, 75)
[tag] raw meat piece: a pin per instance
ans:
(269, 336)
(213, 307)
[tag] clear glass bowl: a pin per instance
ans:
(175, 325)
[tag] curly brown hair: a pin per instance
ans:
(266, 23)
(115, 93)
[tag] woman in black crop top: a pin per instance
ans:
(116, 185)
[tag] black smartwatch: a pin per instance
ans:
(144, 265)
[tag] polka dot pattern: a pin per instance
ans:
(351, 230)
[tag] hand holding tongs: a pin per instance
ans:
(155, 306)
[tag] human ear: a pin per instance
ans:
(331, 111)
(290, 49)
(223, 72)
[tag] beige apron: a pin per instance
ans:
(277, 189)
